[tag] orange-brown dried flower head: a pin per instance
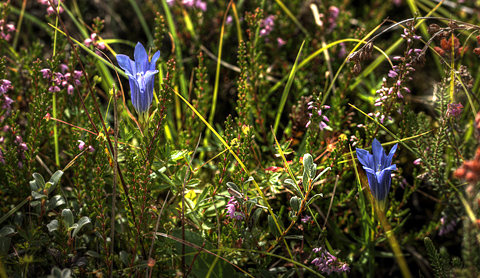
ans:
(470, 170)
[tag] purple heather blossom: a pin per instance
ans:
(417, 161)
(327, 263)
(392, 74)
(306, 218)
(81, 146)
(454, 109)
(23, 147)
(46, 73)
(2, 160)
(446, 227)
(50, 9)
(267, 25)
(232, 207)
(332, 17)
(281, 42)
(6, 30)
(322, 125)
(378, 167)
(90, 149)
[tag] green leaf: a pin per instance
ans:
(316, 196)
(67, 217)
(56, 201)
(52, 226)
(54, 180)
(273, 227)
(5, 231)
(34, 186)
(295, 187)
(95, 254)
(124, 258)
(82, 222)
(321, 174)
(39, 181)
(36, 195)
(233, 186)
(295, 203)
(256, 216)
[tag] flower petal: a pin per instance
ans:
(384, 179)
(154, 60)
(388, 161)
(378, 154)
(125, 63)
(364, 157)
(141, 58)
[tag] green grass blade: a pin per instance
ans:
(283, 100)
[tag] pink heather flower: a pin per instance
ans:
(54, 89)
(81, 146)
(201, 5)
(454, 109)
(281, 42)
(306, 218)
(392, 74)
(1, 157)
(90, 149)
(417, 161)
(18, 139)
(267, 25)
(46, 73)
(87, 42)
(327, 263)
(70, 89)
(446, 227)
(232, 209)
(23, 147)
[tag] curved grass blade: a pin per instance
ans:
(283, 100)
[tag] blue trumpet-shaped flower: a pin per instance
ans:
(379, 169)
(141, 75)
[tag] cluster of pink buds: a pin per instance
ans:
(93, 40)
(62, 78)
(5, 85)
(50, 9)
(317, 110)
(6, 30)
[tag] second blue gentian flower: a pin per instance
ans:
(141, 75)
(378, 167)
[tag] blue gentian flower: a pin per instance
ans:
(141, 75)
(379, 169)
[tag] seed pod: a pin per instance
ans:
(357, 68)
(353, 57)
(369, 47)
(453, 24)
(361, 55)
(433, 28)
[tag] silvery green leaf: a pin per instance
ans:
(82, 222)
(39, 180)
(316, 196)
(36, 195)
(52, 226)
(321, 174)
(56, 201)
(295, 203)
(5, 231)
(67, 217)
